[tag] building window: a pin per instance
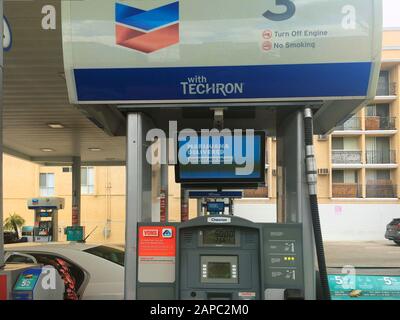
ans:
(87, 180)
(345, 176)
(46, 184)
(338, 176)
(378, 151)
(383, 84)
(378, 110)
(337, 143)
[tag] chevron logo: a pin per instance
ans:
(147, 31)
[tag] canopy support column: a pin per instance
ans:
(138, 194)
(76, 191)
(293, 196)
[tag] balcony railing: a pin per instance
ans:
(346, 157)
(380, 123)
(380, 157)
(256, 193)
(381, 189)
(353, 123)
(388, 89)
(346, 190)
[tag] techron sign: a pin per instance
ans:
(159, 51)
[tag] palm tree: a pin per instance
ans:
(14, 222)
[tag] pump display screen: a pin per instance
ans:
(44, 228)
(219, 236)
(219, 270)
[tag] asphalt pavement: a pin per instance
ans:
(362, 254)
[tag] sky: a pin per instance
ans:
(391, 13)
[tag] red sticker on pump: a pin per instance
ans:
(3, 287)
(157, 241)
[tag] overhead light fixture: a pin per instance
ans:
(95, 149)
(47, 150)
(56, 125)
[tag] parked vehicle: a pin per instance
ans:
(89, 271)
(10, 237)
(393, 231)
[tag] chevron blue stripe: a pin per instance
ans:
(147, 20)
(260, 81)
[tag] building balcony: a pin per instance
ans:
(389, 88)
(380, 157)
(346, 190)
(256, 193)
(375, 123)
(381, 189)
(346, 157)
(353, 124)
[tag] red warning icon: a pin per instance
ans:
(267, 45)
(267, 34)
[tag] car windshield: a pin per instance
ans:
(395, 221)
(108, 253)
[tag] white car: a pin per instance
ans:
(89, 271)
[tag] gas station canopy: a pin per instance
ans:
(35, 96)
(257, 63)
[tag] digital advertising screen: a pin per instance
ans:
(223, 158)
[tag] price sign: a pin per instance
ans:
(364, 287)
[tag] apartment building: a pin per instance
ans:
(358, 163)
(358, 175)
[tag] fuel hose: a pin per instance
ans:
(311, 173)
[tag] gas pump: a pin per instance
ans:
(219, 256)
(46, 218)
(39, 283)
(30, 282)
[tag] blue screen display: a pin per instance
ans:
(215, 207)
(222, 158)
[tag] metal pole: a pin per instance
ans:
(138, 194)
(184, 204)
(164, 189)
(199, 207)
(1, 147)
(294, 205)
(76, 191)
(230, 207)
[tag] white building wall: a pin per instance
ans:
(356, 221)
(256, 212)
(340, 222)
